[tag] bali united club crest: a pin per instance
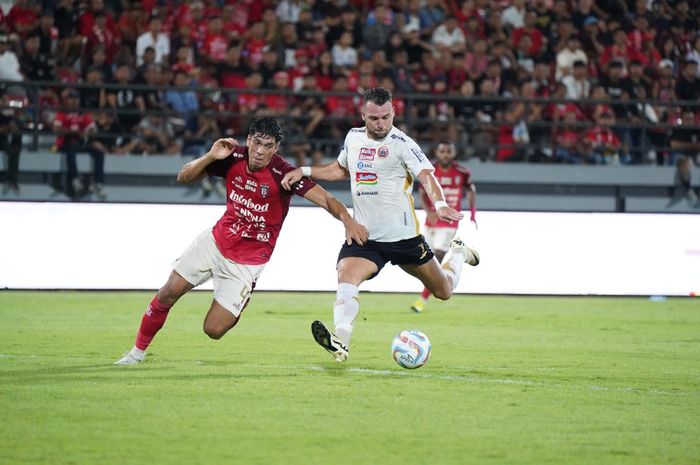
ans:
(383, 151)
(264, 190)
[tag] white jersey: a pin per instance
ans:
(381, 181)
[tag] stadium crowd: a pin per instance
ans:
(505, 80)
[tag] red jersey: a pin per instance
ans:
(455, 181)
(256, 206)
(71, 122)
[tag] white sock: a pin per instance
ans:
(138, 353)
(453, 268)
(346, 308)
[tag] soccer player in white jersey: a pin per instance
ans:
(381, 163)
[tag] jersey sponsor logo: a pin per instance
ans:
(248, 203)
(263, 236)
(366, 179)
(418, 153)
(276, 171)
(383, 151)
(363, 193)
(395, 136)
(264, 190)
(357, 130)
(367, 153)
(445, 181)
(251, 185)
(363, 165)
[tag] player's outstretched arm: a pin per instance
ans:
(434, 191)
(196, 169)
(353, 230)
(330, 172)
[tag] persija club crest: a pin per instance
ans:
(383, 151)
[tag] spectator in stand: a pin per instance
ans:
(183, 60)
(131, 23)
(269, 66)
(9, 64)
(286, 45)
(98, 59)
(577, 84)
(70, 44)
(47, 33)
(93, 97)
(184, 100)
(255, 44)
(514, 16)
(600, 145)
(87, 19)
(157, 137)
(11, 139)
(474, 29)
(524, 60)
(487, 113)
(591, 37)
(379, 25)
(35, 65)
(344, 54)
(567, 141)
(349, 22)
(694, 53)
(618, 51)
(449, 37)
(151, 98)
(232, 70)
(73, 128)
(537, 44)
(431, 15)
(155, 38)
(215, 43)
(415, 45)
(394, 45)
(688, 85)
(109, 136)
(124, 101)
(685, 140)
(400, 73)
(307, 114)
(22, 17)
(568, 56)
(682, 184)
(340, 106)
(101, 35)
(288, 10)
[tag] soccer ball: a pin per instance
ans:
(411, 349)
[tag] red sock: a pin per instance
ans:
(425, 294)
(152, 321)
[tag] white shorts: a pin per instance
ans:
(439, 238)
(233, 282)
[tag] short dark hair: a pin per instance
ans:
(377, 95)
(266, 127)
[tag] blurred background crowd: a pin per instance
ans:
(570, 81)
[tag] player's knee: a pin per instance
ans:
(214, 332)
(442, 293)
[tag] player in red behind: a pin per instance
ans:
(455, 180)
(234, 252)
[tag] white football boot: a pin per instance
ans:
(329, 341)
(133, 357)
(471, 255)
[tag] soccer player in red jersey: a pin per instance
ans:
(456, 182)
(234, 252)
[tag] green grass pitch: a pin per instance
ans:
(512, 380)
